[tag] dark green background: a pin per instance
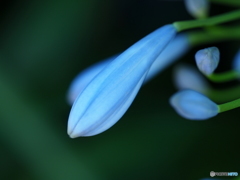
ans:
(44, 44)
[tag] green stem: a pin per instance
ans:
(214, 34)
(224, 77)
(184, 25)
(229, 105)
(227, 2)
(223, 95)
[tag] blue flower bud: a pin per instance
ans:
(180, 44)
(108, 96)
(193, 105)
(236, 62)
(188, 77)
(207, 60)
(197, 8)
(83, 78)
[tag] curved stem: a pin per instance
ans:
(223, 95)
(229, 105)
(224, 77)
(214, 34)
(184, 25)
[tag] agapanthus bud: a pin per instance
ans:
(197, 8)
(180, 44)
(188, 77)
(108, 96)
(207, 60)
(236, 62)
(193, 105)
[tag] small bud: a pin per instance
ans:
(207, 60)
(197, 8)
(193, 105)
(236, 62)
(188, 77)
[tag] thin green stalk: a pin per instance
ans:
(184, 25)
(229, 105)
(223, 95)
(214, 34)
(224, 77)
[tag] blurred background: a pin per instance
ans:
(45, 44)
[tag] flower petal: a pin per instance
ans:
(82, 79)
(174, 50)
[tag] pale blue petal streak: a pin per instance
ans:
(174, 50)
(82, 79)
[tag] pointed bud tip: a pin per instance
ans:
(73, 134)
